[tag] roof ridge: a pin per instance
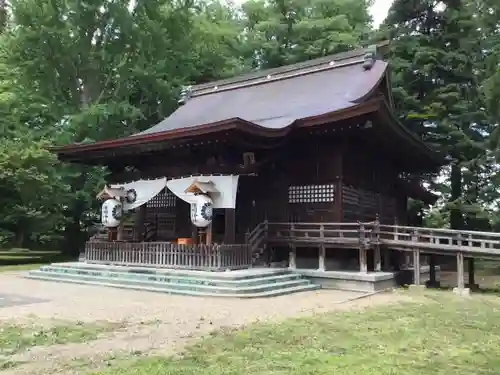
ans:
(332, 64)
(279, 70)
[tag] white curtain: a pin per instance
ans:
(227, 187)
(145, 190)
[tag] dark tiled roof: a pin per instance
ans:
(276, 98)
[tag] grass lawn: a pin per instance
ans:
(437, 334)
(15, 338)
(24, 259)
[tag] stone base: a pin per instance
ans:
(462, 292)
(350, 280)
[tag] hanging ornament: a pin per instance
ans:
(202, 211)
(111, 213)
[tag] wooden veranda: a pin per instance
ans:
(356, 236)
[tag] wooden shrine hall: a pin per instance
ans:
(278, 167)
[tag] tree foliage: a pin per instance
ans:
(88, 70)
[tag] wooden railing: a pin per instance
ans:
(256, 240)
(440, 240)
(171, 255)
(373, 234)
(341, 234)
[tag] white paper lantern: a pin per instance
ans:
(111, 213)
(202, 211)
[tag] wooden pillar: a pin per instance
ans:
(432, 270)
(363, 260)
(140, 218)
(230, 226)
(416, 267)
(194, 233)
(337, 203)
(322, 257)
(208, 234)
(292, 263)
(471, 269)
(460, 271)
(387, 259)
(377, 259)
(119, 232)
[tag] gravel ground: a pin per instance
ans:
(156, 323)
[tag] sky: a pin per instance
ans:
(379, 11)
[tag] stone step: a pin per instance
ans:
(230, 275)
(172, 278)
(177, 285)
(166, 288)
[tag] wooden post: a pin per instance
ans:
(471, 271)
(377, 258)
(416, 267)
(194, 234)
(321, 251)
(230, 226)
(140, 217)
(322, 256)
(363, 260)
(387, 259)
(208, 234)
(432, 272)
(377, 261)
(460, 272)
(337, 200)
(292, 263)
(119, 232)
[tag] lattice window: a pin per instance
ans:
(164, 199)
(311, 193)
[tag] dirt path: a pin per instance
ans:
(156, 323)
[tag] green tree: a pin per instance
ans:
(93, 69)
(282, 32)
(437, 57)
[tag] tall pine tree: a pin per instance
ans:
(437, 56)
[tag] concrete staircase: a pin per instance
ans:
(252, 283)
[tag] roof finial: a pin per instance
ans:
(186, 92)
(369, 57)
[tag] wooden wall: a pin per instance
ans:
(369, 185)
(308, 179)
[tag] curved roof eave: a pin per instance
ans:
(226, 125)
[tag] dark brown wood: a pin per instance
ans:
(139, 223)
(230, 226)
(167, 254)
(471, 272)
